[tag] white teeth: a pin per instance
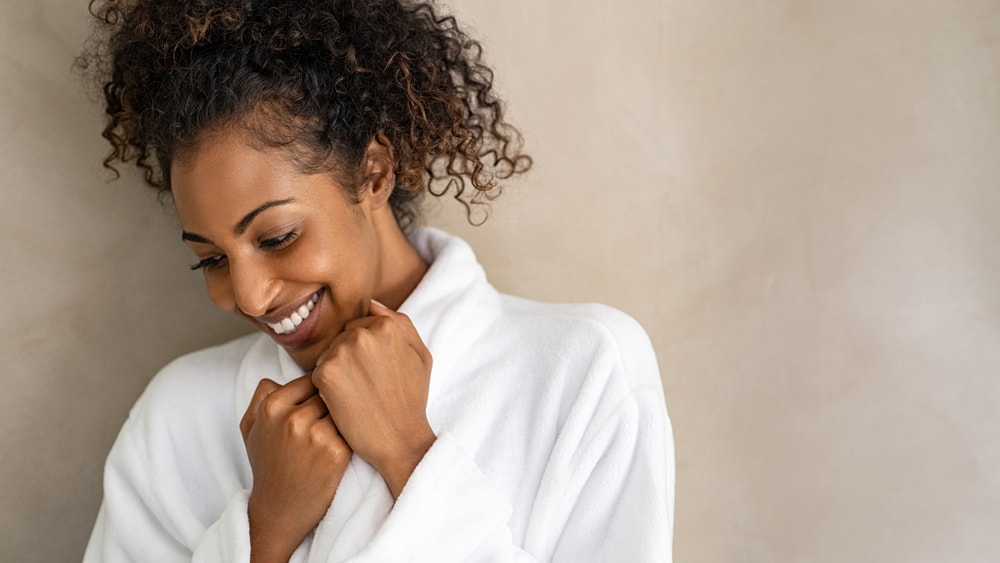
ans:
(292, 322)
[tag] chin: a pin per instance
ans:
(305, 358)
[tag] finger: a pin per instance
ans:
(335, 436)
(264, 388)
(336, 431)
(360, 322)
(325, 354)
(314, 407)
(322, 358)
(378, 309)
(407, 329)
(322, 375)
(297, 391)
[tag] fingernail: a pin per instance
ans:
(380, 304)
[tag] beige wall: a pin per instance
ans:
(799, 200)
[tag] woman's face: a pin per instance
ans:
(289, 252)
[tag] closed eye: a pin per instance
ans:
(210, 263)
(276, 243)
(280, 242)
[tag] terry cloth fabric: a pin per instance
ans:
(553, 443)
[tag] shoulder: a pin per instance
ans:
(186, 417)
(190, 381)
(585, 372)
(180, 452)
(591, 333)
(210, 361)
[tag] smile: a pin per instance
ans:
(291, 323)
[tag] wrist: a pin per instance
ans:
(269, 541)
(396, 471)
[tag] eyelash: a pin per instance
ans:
(208, 264)
(279, 242)
(271, 244)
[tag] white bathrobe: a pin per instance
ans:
(553, 443)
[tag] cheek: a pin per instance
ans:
(220, 292)
(330, 260)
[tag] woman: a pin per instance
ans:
(392, 405)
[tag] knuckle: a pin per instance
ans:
(323, 379)
(339, 453)
(357, 335)
(245, 423)
(365, 338)
(317, 434)
(271, 407)
(336, 352)
(320, 375)
(403, 321)
(297, 425)
(266, 386)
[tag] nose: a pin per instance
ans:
(254, 286)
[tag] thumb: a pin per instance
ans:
(377, 309)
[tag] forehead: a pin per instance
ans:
(224, 166)
(224, 176)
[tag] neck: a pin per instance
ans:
(402, 267)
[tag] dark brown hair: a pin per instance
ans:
(318, 78)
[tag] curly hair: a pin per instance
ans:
(318, 78)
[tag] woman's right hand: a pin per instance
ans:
(298, 459)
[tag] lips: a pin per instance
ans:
(288, 326)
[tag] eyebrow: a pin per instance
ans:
(244, 223)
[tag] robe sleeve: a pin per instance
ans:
(607, 493)
(143, 516)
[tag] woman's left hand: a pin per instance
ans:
(374, 379)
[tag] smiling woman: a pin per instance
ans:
(392, 404)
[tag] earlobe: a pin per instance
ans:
(380, 164)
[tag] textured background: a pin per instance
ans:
(798, 200)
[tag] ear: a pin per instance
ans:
(379, 164)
